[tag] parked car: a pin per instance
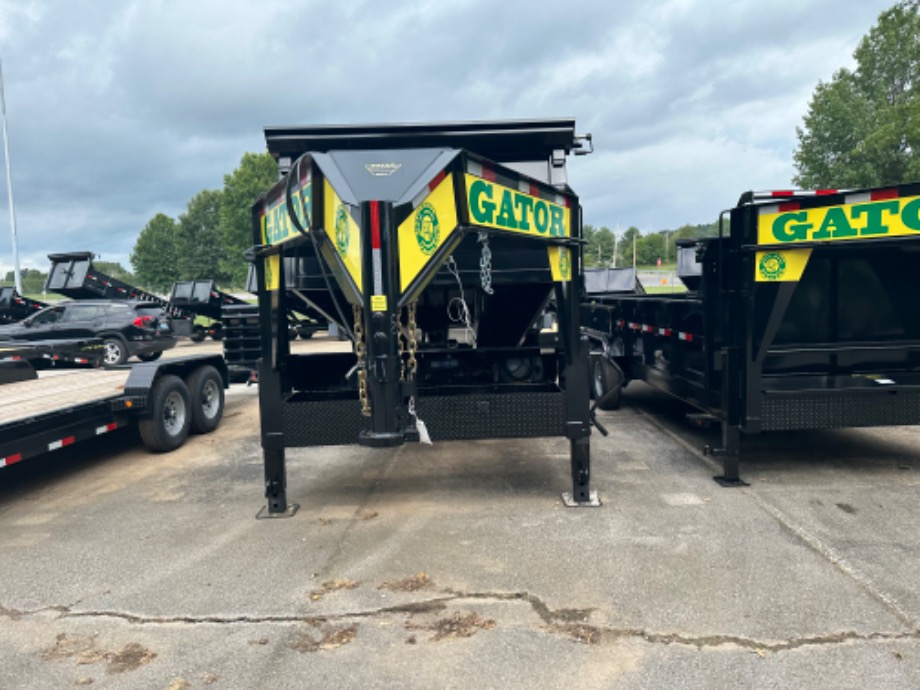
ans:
(127, 328)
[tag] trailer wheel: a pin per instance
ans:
(167, 427)
(150, 356)
(206, 388)
(217, 331)
(114, 352)
(198, 334)
(606, 383)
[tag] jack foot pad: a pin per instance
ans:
(730, 483)
(592, 502)
(289, 512)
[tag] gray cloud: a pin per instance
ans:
(120, 110)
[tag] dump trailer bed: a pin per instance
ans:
(438, 248)
(73, 275)
(165, 399)
(800, 315)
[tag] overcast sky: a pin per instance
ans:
(118, 110)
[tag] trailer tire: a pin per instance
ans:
(217, 331)
(606, 377)
(198, 334)
(206, 389)
(114, 351)
(150, 356)
(167, 426)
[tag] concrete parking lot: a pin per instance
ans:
(457, 565)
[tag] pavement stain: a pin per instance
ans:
(331, 637)
(84, 650)
(330, 586)
(415, 583)
(456, 625)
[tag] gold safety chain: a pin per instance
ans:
(361, 355)
(411, 341)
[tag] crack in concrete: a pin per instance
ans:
(572, 622)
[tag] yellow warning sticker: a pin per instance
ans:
(378, 302)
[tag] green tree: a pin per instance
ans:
(598, 251)
(200, 252)
(256, 173)
(628, 240)
(33, 280)
(154, 257)
(862, 128)
(116, 270)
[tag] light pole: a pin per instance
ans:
(9, 187)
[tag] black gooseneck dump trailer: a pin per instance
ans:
(437, 249)
(802, 314)
(202, 298)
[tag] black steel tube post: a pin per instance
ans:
(273, 321)
(577, 394)
(381, 324)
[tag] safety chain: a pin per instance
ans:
(411, 341)
(485, 264)
(361, 354)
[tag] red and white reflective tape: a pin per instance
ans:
(376, 257)
(877, 195)
(664, 332)
(54, 445)
(633, 326)
(10, 459)
(647, 329)
(105, 429)
(620, 323)
(687, 337)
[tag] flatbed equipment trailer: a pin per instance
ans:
(801, 314)
(166, 399)
(438, 248)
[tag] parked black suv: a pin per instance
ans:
(127, 328)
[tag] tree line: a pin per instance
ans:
(208, 240)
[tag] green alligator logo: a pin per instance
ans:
(342, 234)
(772, 266)
(427, 229)
(565, 263)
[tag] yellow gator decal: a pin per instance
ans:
(425, 230)
(503, 208)
(873, 219)
(344, 231)
(276, 222)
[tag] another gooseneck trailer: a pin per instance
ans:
(437, 249)
(15, 307)
(801, 315)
